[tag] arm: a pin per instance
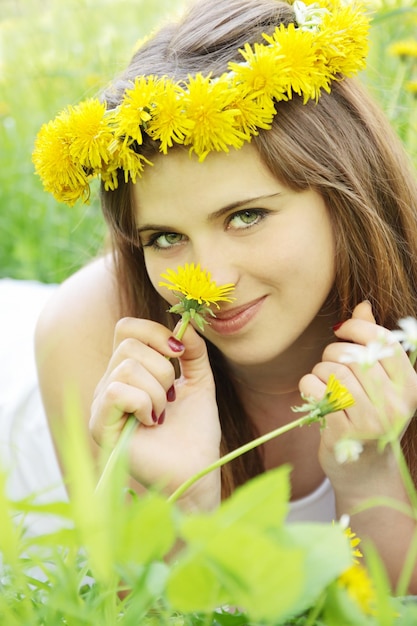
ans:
(383, 392)
(120, 367)
(73, 341)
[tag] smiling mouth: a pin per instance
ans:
(233, 320)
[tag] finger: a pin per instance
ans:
(132, 354)
(363, 311)
(377, 401)
(155, 383)
(148, 333)
(366, 361)
(110, 410)
(361, 328)
(194, 362)
(313, 386)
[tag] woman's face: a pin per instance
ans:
(234, 218)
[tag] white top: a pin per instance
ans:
(318, 506)
(26, 450)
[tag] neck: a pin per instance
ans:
(268, 390)
(281, 375)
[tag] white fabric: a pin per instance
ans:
(318, 506)
(26, 449)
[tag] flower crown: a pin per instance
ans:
(327, 42)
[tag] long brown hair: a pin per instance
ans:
(342, 147)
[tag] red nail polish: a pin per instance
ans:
(161, 419)
(175, 344)
(338, 325)
(154, 417)
(171, 395)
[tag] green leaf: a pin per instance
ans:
(148, 531)
(384, 611)
(9, 535)
(406, 611)
(29, 505)
(237, 565)
(194, 585)
(262, 502)
(92, 515)
(340, 609)
(146, 585)
(327, 551)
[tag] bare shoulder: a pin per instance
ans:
(86, 304)
(74, 335)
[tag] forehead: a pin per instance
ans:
(178, 184)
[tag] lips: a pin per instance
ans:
(232, 320)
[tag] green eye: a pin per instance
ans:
(168, 239)
(163, 241)
(246, 218)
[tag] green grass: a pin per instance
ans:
(387, 75)
(57, 52)
(54, 53)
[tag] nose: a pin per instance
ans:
(217, 258)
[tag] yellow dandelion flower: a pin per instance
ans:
(213, 123)
(405, 48)
(303, 66)
(196, 292)
(110, 179)
(252, 114)
(411, 87)
(343, 40)
(65, 178)
(134, 111)
(260, 74)
(359, 586)
(123, 157)
(193, 283)
(336, 398)
(354, 542)
(168, 123)
(90, 133)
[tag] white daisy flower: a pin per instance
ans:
(367, 355)
(407, 336)
(347, 450)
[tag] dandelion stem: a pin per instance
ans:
(118, 450)
(408, 567)
(180, 332)
(396, 90)
(306, 419)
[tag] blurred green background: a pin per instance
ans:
(57, 52)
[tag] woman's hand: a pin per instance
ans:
(384, 393)
(178, 430)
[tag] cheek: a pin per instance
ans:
(154, 269)
(154, 272)
(319, 260)
(309, 257)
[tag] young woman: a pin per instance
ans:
(312, 218)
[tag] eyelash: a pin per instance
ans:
(259, 213)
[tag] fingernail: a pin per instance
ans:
(175, 344)
(161, 419)
(154, 417)
(338, 325)
(171, 395)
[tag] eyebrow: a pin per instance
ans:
(213, 216)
